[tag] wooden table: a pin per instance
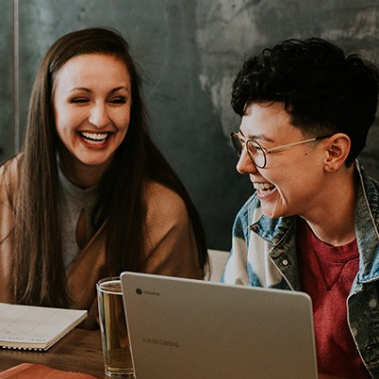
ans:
(78, 351)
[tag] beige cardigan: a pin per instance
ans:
(170, 244)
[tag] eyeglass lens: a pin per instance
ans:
(256, 153)
(237, 143)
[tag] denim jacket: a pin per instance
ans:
(264, 254)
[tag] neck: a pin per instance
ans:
(83, 178)
(333, 221)
(82, 175)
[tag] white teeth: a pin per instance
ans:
(263, 186)
(95, 137)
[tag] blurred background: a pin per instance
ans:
(189, 52)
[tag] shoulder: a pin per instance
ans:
(10, 167)
(158, 192)
(9, 175)
(251, 204)
(8, 189)
(170, 243)
(248, 213)
(163, 200)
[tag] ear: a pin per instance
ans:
(337, 148)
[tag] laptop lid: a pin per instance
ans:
(185, 329)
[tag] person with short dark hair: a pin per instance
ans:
(312, 224)
(90, 195)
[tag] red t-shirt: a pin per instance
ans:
(327, 273)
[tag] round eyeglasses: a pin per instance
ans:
(257, 153)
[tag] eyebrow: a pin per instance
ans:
(90, 91)
(257, 137)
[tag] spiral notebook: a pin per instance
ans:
(183, 328)
(26, 327)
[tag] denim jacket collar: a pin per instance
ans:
(366, 227)
(278, 230)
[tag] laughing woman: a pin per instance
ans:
(90, 195)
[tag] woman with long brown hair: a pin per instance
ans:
(90, 195)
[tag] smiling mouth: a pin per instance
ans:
(263, 188)
(95, 138)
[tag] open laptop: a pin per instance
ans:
(186, 329)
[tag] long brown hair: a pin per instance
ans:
(39, 275)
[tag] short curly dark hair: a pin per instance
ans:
(324, 90)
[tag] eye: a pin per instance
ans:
(118, 100)
(253, 147)
(79, 100)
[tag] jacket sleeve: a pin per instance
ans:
(8, 190)
(170, 244)
(235, 271)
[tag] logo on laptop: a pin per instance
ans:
(160, 342)
(139, 291)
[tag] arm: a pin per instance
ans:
(170, 242)
(170, 250)
(8, 192)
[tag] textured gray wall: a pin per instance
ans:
(189, 51)
(6, 92)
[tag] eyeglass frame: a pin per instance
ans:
(265, 151)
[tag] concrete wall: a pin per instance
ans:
(189, 51)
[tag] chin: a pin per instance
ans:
(273, 213)
(94, 160)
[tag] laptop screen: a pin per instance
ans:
(184, 328)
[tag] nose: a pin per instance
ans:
(98, 115)
(245, 165)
